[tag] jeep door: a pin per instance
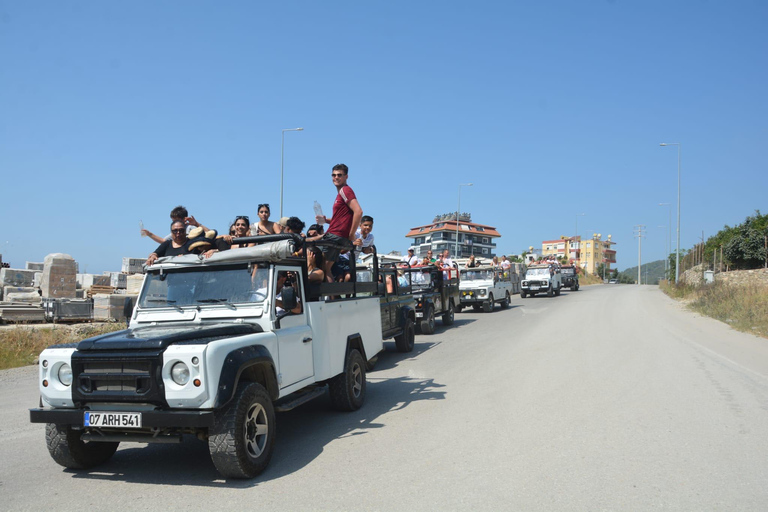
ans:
(294, 336)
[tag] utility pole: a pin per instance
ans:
(639, 234)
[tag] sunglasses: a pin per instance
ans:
(177, 231)
(336, 174)
(265, 205)
(243, 217)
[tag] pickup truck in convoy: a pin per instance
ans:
(483, 287)
(214, 347)
(436, 292)
(541, 278)
(570, 277)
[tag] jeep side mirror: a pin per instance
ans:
(288, 296)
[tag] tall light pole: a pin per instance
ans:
(639, 234)
(458, 212)
(669, 231)
(677, 255)
(666, 250)
(282, 161)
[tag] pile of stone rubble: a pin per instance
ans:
(54, 291)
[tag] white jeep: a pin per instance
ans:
(483, 287)
(541, 279)
(215, 346)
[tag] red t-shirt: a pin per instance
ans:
(341, 221)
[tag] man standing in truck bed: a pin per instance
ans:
(346, 217)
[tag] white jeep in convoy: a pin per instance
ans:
(541, 279)
(483, 287)
(214, 347)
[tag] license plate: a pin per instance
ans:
(534, 287)
(419, 315)
(112, 419)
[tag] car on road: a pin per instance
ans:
(483, 287)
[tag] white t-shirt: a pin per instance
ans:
(505, 264)
(367, 242)
(411, 260)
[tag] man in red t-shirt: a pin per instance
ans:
(346, 217)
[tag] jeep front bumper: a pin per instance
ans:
(160, 419)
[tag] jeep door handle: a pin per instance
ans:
(307, 339)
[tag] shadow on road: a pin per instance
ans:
(302, 436)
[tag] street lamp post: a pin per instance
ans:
(666, 250)
(669, 231)
(677, 250)
(458, 212)
(282, 161)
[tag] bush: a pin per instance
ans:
(20, 346)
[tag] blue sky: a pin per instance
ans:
(115, 112)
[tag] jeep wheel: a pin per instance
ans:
(505, 302)
(573, 288)
(347, 389)
(488, 305)
(448, 317)
(427, 325)
(243, 433)
(550, 292)
(404, 341)
(68, 450)
(522, 294)
(557, 292)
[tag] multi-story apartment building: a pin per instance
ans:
(588, 253)
(473, 238)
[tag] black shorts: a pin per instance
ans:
(340, 268)
(331, 252)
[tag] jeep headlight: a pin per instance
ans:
(525, 283)
(481, 293)
(65, 374)
(180, 373)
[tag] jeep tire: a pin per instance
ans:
(505, 302)
(557, 292)
(488, 305)
(243, 434)
(550, 291)
(67, 449)
(427, 324)
(522, 294)
(404, 341)
(347, 389)
(448, 316)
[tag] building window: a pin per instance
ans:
(485, 250)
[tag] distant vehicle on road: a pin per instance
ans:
(613, 281)
(569, 277)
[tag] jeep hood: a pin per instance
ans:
(160, 337)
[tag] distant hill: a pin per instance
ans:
(655, 271)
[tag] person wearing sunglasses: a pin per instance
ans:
(265, 226)
(178, 244)
(345, 221)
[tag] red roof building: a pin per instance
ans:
(474, 238)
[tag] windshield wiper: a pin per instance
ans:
(171, 303)
(218, 301)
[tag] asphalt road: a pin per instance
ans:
(610, 398)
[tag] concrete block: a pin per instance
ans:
(26, 297)
(111, 306)
(117, 279)
(133, 283)
(59, 278)
(16, 277)
(85, 281)
(133, 265)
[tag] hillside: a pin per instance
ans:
(655, 271)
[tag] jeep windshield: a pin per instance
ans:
(197, 286)
(476, 275)
(538, 272)
(566, 271)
